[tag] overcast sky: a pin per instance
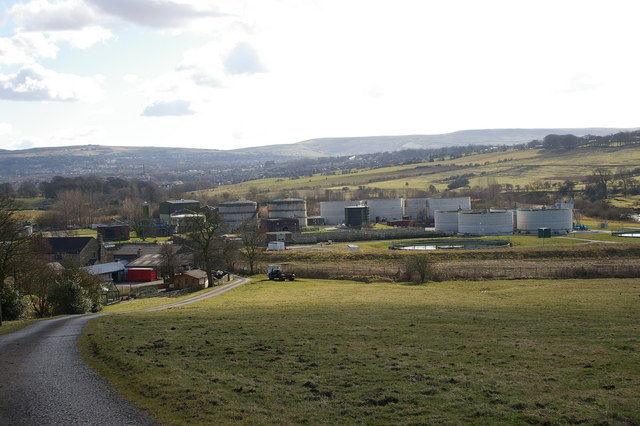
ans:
(231, 74)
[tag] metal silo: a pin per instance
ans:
(234, 213)
(485, 222)
(446, 221)
(558, 220)
(356, 215)
(288, 208)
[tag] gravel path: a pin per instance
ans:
(43, 380)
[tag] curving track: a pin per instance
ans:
(43, 380)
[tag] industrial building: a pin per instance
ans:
(355, 216)
(171, 207)
(235, 213)
(447, 204)
(415, 208)
(446, 221)
(383, 209)
(333, 211)
(114, 232)
(295, 208)
(283, 224)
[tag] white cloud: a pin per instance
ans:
(243, 59)
(26, 49)
(168, 108)
(84, 38)
(5, 129)
(35, 83)
(42, 15)
(155, 13)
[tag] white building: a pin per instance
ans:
(447, 204)
(333, 211)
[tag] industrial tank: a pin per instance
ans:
(288, 208)
(485, 222)
(385, 209)
(415, 208)
(558, 220)
(447, 204)
(356, 215)
(446, 221)
(234, 213)
(333, 211)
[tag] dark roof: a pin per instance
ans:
(195, 273)
(69, 245)
(132, 249)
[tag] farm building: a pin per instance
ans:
(192, 278)
(112, 271)
(114, 232)
(77, 250)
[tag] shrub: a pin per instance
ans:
(14, 305)
(76, 292)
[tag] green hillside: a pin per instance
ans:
(515, 167)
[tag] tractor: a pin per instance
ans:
(275, 273)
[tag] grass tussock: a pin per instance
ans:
(313, 351)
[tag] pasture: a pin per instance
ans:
(314, 351)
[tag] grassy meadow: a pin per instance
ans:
(313, 351)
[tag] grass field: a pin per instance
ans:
(560, 351)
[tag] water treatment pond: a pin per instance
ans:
(452, 245)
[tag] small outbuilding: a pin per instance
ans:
(191, 278)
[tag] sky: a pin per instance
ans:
(240, 73)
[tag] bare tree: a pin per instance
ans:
(418, 265)
(252, 243)
(205, 235)
(170, 261)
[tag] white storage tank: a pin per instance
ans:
(234, 213)
(446, 221)
(447, 204)
(415, 208)
(333, 211)
(485, 222)
(289, 208)
(558, 220)
(385, 209)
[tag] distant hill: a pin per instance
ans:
(173, 165)
(371, 144)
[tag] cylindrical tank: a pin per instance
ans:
(446, 221)
(289, 208)
(237, 212)
(356, 215)
(558, 220)
(145, 210)
(485, 222)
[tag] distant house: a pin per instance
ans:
(192, 278)
(114, 232)
(82, 251)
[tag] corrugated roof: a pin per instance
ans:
(104, 268)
